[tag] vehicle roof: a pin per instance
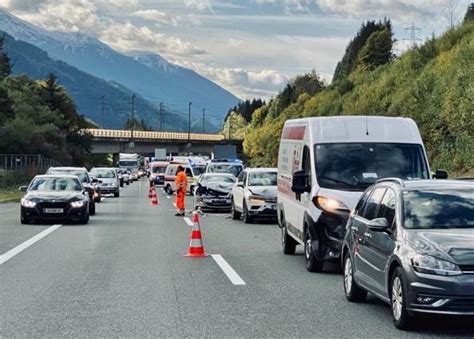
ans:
(68, 169)
(56, 176)
(218, 175)
(261, 169)
(158, 163)
(354, 128)
(104, 168)
(413, 185)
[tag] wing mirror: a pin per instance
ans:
(23, 188)
(378, 225)
(440, 174)
(299, 183)
(240, 184)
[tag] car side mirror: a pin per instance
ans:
(378, 224)
(23, 188)
(240, 184)
(299, 183)
(440, 174)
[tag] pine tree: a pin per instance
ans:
(5, 66)
(469, 14)
(378, 50)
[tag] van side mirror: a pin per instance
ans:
(378, 224)
(299, 183)
(23, 188)
(440, 174)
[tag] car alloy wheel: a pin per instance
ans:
(397, 298)
(348, 275)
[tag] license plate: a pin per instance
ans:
(53, 210)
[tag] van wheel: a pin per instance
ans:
(288, 244)
(92, 208)
(233, 212)
(245, 215)
(312, 264)
(352, 291)
(168, 190)
(402, 319)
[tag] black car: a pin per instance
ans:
(90, 185)
(54, 198)
(411, 243)
(213, 191)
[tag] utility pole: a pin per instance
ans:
(133, 116)
(102, 111)
(203, 120)
(414, 31)
(189, 123)
(161, 116)
(230, 126)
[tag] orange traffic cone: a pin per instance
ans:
(196, 247)
(154, 198)
(150, 194)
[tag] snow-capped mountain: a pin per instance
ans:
(147, 74)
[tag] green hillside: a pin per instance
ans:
(433, 84)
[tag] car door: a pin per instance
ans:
(238, 191)
(362, 264)
(379, 245)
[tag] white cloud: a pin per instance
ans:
(155, 15)
(200, 5)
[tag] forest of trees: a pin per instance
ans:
(432, 83)
(39, 117)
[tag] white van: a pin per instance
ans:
(324, 166)
(192, 172)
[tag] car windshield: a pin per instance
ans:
(357, 166)
(218, 179)
(262, 179)
(432, 209)
(55, 184)
(82, 175)
(128, 163)
(198, 170)
(103, 173)
(159, 169)
(234, 169)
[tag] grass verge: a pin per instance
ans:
(9, 195)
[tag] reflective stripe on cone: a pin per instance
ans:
(196, 246)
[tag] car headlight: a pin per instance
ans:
(328, 204)
(77, 204)
(431, 265)
(27, 203)
(256, 200)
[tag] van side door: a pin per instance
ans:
(305, 198)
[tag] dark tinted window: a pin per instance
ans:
(388, 206)
(373, 203)
(360, 205)
(306, 166)
(439, 209)
(188, 172)
(242, 177)
(357, 166)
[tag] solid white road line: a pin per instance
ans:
(188, 221)
(14, 251)
(228, 270)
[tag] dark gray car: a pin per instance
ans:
(411, 243)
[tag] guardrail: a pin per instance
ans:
(149, 135)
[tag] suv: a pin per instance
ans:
(411, 243)
(89, 184)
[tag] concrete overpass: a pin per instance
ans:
(108, 141)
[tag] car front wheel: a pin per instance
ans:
(235, 214)
(245, 215)
(24, 220)
(312, 263)
(352, 291)
(402, 319)
(92, 208)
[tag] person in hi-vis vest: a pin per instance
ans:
(181, 188)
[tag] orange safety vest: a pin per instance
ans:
(181, 181)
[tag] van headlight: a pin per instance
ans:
(431, 265)
(27, 203)
(256, 200)
(328, 204)
(77, 204)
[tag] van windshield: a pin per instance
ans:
(356, 166)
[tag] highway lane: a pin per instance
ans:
(124, 274)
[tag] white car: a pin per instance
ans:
(254, 196)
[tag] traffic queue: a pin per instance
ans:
(357, 191)
(70, 194)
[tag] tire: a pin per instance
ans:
(84, 220)
(128, 183)
(168, 190)
(121, 184)
(312, 264)
(234, 213)
(288, 244)
(352, 291)
(245, 215)
(92, 208)
(116, 194)
(402, 319)
(25, 221)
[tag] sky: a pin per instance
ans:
(250, 47)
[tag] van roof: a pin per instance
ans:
(361, 129)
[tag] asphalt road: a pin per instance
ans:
(124, 274)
